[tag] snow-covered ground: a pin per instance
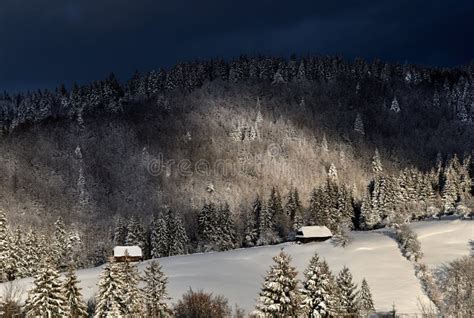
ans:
(239, 274)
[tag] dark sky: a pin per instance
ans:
(47, 42)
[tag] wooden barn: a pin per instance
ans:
(308, 234)
(130, 253)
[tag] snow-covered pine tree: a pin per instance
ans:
(226, 228)
(120, 231)
(395, 107)
(294, 210)
(110, 299)
(135, 233)
(332, 173)
(324, 144)
(133, 298)
(154, 291)
(46, 298)
(76, 307)
(301, 76)
(206, 226)
(365, 303)
(61, 250)
(275, 209)
(252, 223)
(4, 247)
(359, 125)
(347, 292)
(280, 296)
(177, 237)
(317, 291)
(159, 236)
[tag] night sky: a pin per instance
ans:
(47, 42)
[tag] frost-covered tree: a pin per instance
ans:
(324, 144)
(359, 125)
(111, 298)
(120, 231)
(395, 107)
(61, 245)
(347, 292)
(135, 233)
(277, 213)
(332, 173)
(46, 298)
(159, 237)
(317, 292)
(177, 236)
(4, 247)
(133, 298)
(280, 296)
(76, 307)
(365, 303)
(294, 209)
(154, 291)
(252, 219)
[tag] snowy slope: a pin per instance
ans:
(238, 274)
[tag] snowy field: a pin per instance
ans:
(239, 274)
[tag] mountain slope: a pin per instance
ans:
(372, 255)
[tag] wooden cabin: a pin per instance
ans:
(130, 253)
(308, 234)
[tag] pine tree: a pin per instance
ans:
(155, 293)
(226, 229)
(135, 233)
(133, 298)
(4, 247)
(275, 210)
(395, 107)
(347, 292)
(75, 304)
(324, 144)
(46, 298)
(111, 296)
(120, 232)
(280, 296)
(159, 236)
(61, 246)
(359, 125)
(251, 233)
(317, 291)
(177, 237)
(294, 210)
(365, 303)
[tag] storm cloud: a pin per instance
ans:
(48, 42)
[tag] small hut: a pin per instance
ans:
(129, 253)
(308, 234)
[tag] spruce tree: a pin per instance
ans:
(359, 125)
(4, 247)
(252, 220)
(159, 237)
(111, 299)
(226, 229)
(154, 291)
(280, 296)
(120, 232)
(365, 303)
(133, 298)
(275, 209)
(135, 233)
(177, 237)
(61, 245)
(347, 292)
(75, 304)
(46, 298)
(317, 289)
(395, 107)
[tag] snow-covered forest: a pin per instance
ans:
(217, 155)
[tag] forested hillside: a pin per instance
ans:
(212, 155)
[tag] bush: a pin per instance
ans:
(202, 305)
(409, 243)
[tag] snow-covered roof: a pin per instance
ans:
(132, 251)
(314, 231)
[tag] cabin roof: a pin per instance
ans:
(313, 231)
(133, 251)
